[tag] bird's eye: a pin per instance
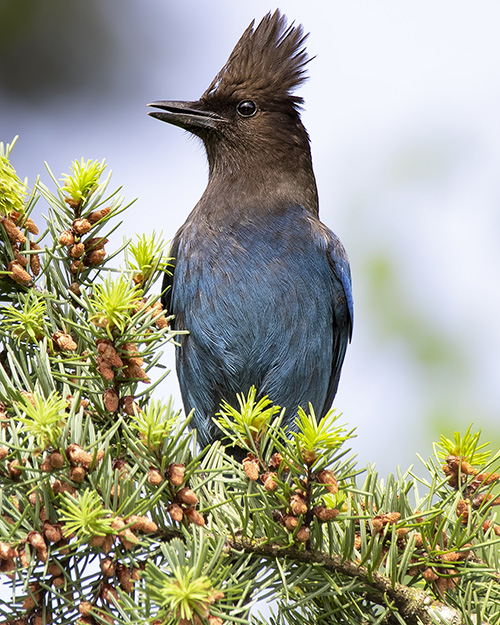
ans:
(246, 108)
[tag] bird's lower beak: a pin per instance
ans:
(188, 115)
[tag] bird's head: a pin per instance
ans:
(249, 111)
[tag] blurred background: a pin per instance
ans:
(402, 107)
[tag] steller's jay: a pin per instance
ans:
(260, 283)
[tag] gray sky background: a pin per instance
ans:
(402, 109)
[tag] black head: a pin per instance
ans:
(266, 65)
(248, 117)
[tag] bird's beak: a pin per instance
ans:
(191, 116)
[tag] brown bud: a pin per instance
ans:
(7, 552)
(135, 372)
(64, 341)
(95, 257)
(290, 522)
(161, 322)
(130, 407)
(429, 575)
(270, 481)
(108, 351)
(193, 516)
(77, 474)
(105, 369)
(251, 467)
(96, 541)
(8, 567)
(109, 541)
(176, 474)
(34, 259)
(125, 579)
(111, 400)
(81, 226)
(107, 592)
(35, 539)
(56, 460)
(15, 468)
(54, 569)
(52, 532)
(155, 478)
(324, 514)
(95, 243)
(78, 456)
(18, 274)
(108, 567)
(131, 354)
(308, 456)
(85, 608)
(463, 510)
(187, 496)
(98, 214)
(77, 250)
(4, 452)
(142, 524)
(298, 505)
(22, 260)
(175, 512)
(303, 534)
(76, 267)
(15, 235)
(75, 289)
(328, 478)
(66, 238)
(215, 620)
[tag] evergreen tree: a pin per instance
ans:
(110, 514)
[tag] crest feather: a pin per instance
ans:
(268, 60)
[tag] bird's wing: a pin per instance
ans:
(343, 314)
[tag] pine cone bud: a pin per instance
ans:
(64, 341)
(290, 522)
(141, 524)
(18, 274)
(66, 238)
(298, 505)
(130, 407)
(324, 514)
(108, 567)
(81, 226)
(175, 512)
(193, 516)
(95, 257)
(155, 478)
(15, 235)
(303, 534)
(56, 460)
(77, 474)
(111, 400)
(187, 496)
(251, 467)
(176, 474)
(125, 579)
(329, 480)
(7, 552)
(77, 250)
(270, 481)
(98, 214)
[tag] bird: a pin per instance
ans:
(262, 286)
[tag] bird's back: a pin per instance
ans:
(263, 307)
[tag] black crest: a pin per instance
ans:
(268, 60)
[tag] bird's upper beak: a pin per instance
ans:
(191, 116)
